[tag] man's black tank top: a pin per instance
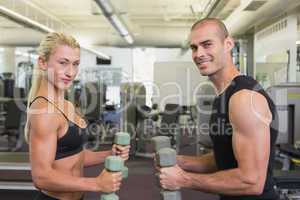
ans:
(221, 134)
(72, 141)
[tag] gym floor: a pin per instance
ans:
(141, 184)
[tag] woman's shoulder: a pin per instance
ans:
(43, 112)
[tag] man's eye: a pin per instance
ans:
(193, 48)
(206, 45)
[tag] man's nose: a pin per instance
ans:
(200, 52)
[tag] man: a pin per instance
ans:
(240, 165)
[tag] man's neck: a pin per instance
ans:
(223, 78)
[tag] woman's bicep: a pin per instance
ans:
(43, 140)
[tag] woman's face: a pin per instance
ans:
(62, 66)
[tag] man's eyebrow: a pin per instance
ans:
(205, 41)
(193, 46)
(201, 43)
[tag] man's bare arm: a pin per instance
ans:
(250, 117)
(201, 164)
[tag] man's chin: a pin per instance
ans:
(204, 72)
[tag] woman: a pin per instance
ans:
(54, 130)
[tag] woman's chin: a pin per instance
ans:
(63, 86)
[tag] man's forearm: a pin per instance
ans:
(95, 158)
(200, 164)
(227, 182)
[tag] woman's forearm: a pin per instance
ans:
(95, 158)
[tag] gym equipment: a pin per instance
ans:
(202, 112)
(9, 84)
(133, 96)
(146, 129)
(166, 157)
(25, 70)
(123, 139)
(93, 99)
(287, 184)
(74, 93)
(15, 171)
(171, 195)
(14, 123)
(169, 125)
(286, 97)
(160, 142)
(112, 164)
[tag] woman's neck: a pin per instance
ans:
(48, 90)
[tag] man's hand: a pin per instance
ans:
(172, 178)
(122, 151)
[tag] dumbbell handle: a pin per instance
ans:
(112, 164)
(166, 157)
(123, 139)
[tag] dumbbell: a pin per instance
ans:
(166, 157)
(159, 142)
(123, 139)
(112, 164)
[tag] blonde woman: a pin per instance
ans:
(55, 131)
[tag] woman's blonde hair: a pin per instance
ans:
(45, 49)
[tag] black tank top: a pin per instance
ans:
(72, 141)
(221, 134)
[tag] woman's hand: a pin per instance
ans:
(109, 181)
(122, 151)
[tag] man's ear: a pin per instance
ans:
(42, 63)
(229, 43)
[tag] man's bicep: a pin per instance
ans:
(250, 117)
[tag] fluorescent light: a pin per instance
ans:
(116, 22)
(298, 42)
(25, 20)
(105, 6)
(114, 19)
(97, 53)
(128, 38)
(34, 24)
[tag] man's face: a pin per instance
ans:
(208, 50)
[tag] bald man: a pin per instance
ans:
(242, 126)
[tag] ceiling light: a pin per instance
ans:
(129, 39)
(24, 20)
(114, 19)
(20, 19)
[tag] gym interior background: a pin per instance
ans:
(136, 62)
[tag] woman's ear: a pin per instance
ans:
(42, 63)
